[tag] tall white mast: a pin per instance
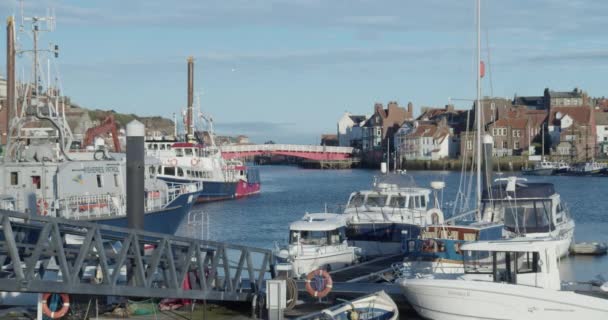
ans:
(479, 113)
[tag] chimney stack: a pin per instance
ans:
(190, 98)
(10, 77)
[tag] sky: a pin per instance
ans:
(286, 70)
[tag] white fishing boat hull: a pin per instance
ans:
(459, 300)
(302, 265)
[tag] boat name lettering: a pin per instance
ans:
(98, 169)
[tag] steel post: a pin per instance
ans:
(135, 174)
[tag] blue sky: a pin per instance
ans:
(287, 69)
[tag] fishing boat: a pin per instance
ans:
(529, 210)
(509, 279)
(43, 177)
(316, 241)
(588, 168)
(191, 159)
(545, 168)
(376, 306)
(438, 249)
(377, 218)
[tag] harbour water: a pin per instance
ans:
(288, 192)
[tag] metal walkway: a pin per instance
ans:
(44, 254)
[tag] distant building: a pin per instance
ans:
(601, 130)
(573, 131)
(574, 98)
(493, 109)
(511, 136)
(383, 124)
(242, 139)
(350, 130)
(531, 102)
(426, 141)
(330, 140)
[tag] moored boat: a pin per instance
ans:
(316, 241)
(511, 279)
(376, 306)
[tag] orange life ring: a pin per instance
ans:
(326, 280)
(65, 299)
(194, 161)
(42, 207)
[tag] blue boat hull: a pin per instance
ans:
(212, 190)
(165, 220)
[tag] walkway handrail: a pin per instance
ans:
(123, 262)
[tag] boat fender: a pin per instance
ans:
(353, 315)
(325, 282)
(43, 207)
(194, 161)
(55, 314)
(434, 216)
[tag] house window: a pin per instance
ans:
(469, 145)
(516, 133)
(14, 178)
(516, 145)
(505, 145)
(99, 184)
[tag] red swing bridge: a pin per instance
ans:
(308, 152)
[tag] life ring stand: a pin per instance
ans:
(194, 161)
(42, 207)
(434, 216)
(65, 299)
(316, 293)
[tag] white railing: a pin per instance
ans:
(285, 147)
(87, 206)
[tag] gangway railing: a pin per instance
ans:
(48, 254)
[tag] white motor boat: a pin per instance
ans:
(529, 210)
(509, 279)
(376, 306)
(378, 218)
(316, 241)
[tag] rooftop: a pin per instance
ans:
(319, 222)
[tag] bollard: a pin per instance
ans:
(135, 175)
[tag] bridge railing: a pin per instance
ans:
(285, 147)
(48, 254)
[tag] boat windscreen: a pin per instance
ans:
(376, 200)
(523, 216)
(356, 200)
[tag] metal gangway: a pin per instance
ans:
(48, 254)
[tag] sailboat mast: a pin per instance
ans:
(189, 133)
(479, 113)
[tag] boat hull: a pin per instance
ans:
(458, 299)
(166, 220)
(302, 265)
(538, 172)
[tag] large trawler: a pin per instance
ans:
(189, 159)
(41, 176)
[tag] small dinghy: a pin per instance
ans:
(591, 248)
(376, 306)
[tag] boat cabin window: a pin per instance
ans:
(375, 200)
(162, 147)
(152, 169)
(169, 171)
(188, 152)
(179, 152)
(398, 201)
(417, 202)
(117, 181)
(504, 266)
(317, 238)
(14, 178)
(180, 172)
(99, 181)
(527, 216)
(356, 200)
